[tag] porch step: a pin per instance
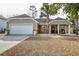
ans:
(47, 35)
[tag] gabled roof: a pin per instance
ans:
(43, 20)
(58, 18)
(2, 17)
(60, 22)
(53, 21)
(21, 16)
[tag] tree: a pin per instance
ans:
(49, 9)
(72, 9)
(71, 18)
(34, 11)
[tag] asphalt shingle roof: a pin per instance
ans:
(21, 16)
(40, 20)
(43, 20)
(58, 18)
(2, 17)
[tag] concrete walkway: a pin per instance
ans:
(8, 42)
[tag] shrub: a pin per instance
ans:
(62, 31)
(2, 30)
(76, 31)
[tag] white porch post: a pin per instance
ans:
(69, 29)
(65, 29)
(58, 28)
(49, 29)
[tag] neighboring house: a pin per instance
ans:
(2, 23)
(24, 24)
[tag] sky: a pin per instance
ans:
(12, 9)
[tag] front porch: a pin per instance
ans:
(53, 29)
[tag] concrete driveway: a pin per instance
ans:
(8, 42)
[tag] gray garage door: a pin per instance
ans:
(21, 29)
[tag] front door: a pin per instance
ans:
(54, 29)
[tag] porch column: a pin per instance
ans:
(49, 29)
(58, 28)
(69, 29)
(7, 28)
(65, 29)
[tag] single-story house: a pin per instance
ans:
(2, 24)
(24, 24)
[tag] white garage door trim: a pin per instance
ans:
(21, 28)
